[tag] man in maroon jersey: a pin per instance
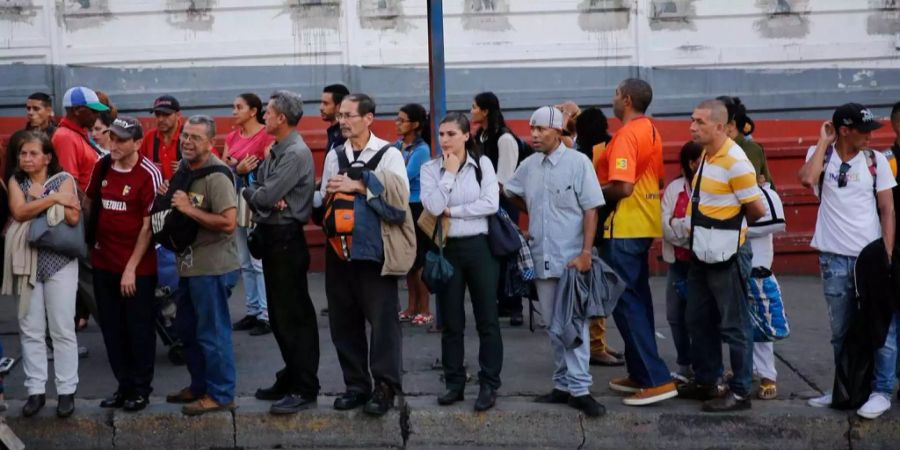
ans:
(122, 189)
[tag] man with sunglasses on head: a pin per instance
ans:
(854, 185)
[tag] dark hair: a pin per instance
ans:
(895, 110)
(591, 128)
(490, 103)
(462, 122)
(253, 101)
(690, 151)
(418, 114)
(46, 147)
(337, 91)
(366, 104)
(12, 153)
(107, 117)
(639, 91)
(41, 97)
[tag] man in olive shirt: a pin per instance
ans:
(208, 272)
(281, 199)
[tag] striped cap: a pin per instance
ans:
(82, 96)
(548, 117)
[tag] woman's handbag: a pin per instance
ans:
(437, 271)
(61, 237)
(255, 244)
(503, 235)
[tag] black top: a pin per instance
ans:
(335, 138)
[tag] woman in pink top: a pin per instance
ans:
(247, 145)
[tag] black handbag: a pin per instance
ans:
(503, 235)
(255, 244)
(437, 271)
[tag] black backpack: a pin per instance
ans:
(172, 229)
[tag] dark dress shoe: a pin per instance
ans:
(116, 401)
(351, 400)
(381, 402)
(65, 405)
(696, 391)
(136, 403)
(450, 397)
(262, 327)
(293, 403)
(271, 393)
(726, 403)
(34, 404)
(587, 405)
(606, 359)
(516, 319)
(487, 398)
(555, 396)
(247, 323)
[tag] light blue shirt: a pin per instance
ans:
(415, 155)
(557, 190)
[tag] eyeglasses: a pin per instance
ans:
(195, 138)
(342, 116)
(842, 175)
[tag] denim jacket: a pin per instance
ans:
(368, 244)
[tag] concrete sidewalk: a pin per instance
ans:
(804, 365)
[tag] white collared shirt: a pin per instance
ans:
(392, 161)
(469, 203)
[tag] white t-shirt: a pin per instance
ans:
(848, 216)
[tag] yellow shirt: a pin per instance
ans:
(729, 181)
(634, 155)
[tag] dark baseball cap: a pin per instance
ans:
(127, 128)
(856, 116)
(166, 104)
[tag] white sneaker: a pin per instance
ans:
(877, 405)
(820, 402)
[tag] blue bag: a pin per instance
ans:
(766, 308)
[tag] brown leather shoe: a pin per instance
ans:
(205, 405)
(606, 359)
(183, 396)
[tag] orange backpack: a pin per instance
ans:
(340, 217)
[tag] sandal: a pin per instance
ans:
(768, 390)
(405, 316)
(422, 319)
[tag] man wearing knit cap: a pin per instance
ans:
(558, 189)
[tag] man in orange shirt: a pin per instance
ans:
(631, 171)
(162, 144)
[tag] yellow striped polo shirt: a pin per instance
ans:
(729, 181)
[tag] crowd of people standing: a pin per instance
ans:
(391, 210)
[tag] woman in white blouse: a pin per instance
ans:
(450, 186)
(676, 252)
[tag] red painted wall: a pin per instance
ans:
(785, 142)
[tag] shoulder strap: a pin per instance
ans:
(155, 148)
(373, 162)
(477, 168)
(343, 161)
(828, 153)
(209, 170)
(872, 163)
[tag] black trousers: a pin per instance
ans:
(508, 305)
(291, 312)
(476, 268)
(129, 331)
(357, 293)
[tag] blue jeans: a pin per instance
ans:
(252, 274)
(634, 312)
(886, 361)
(204, 326)
(676, 304)
(840, 288)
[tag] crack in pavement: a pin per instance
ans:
(803, 377)
(583, 434)
(405, 413)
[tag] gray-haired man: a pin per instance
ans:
(281, 198)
